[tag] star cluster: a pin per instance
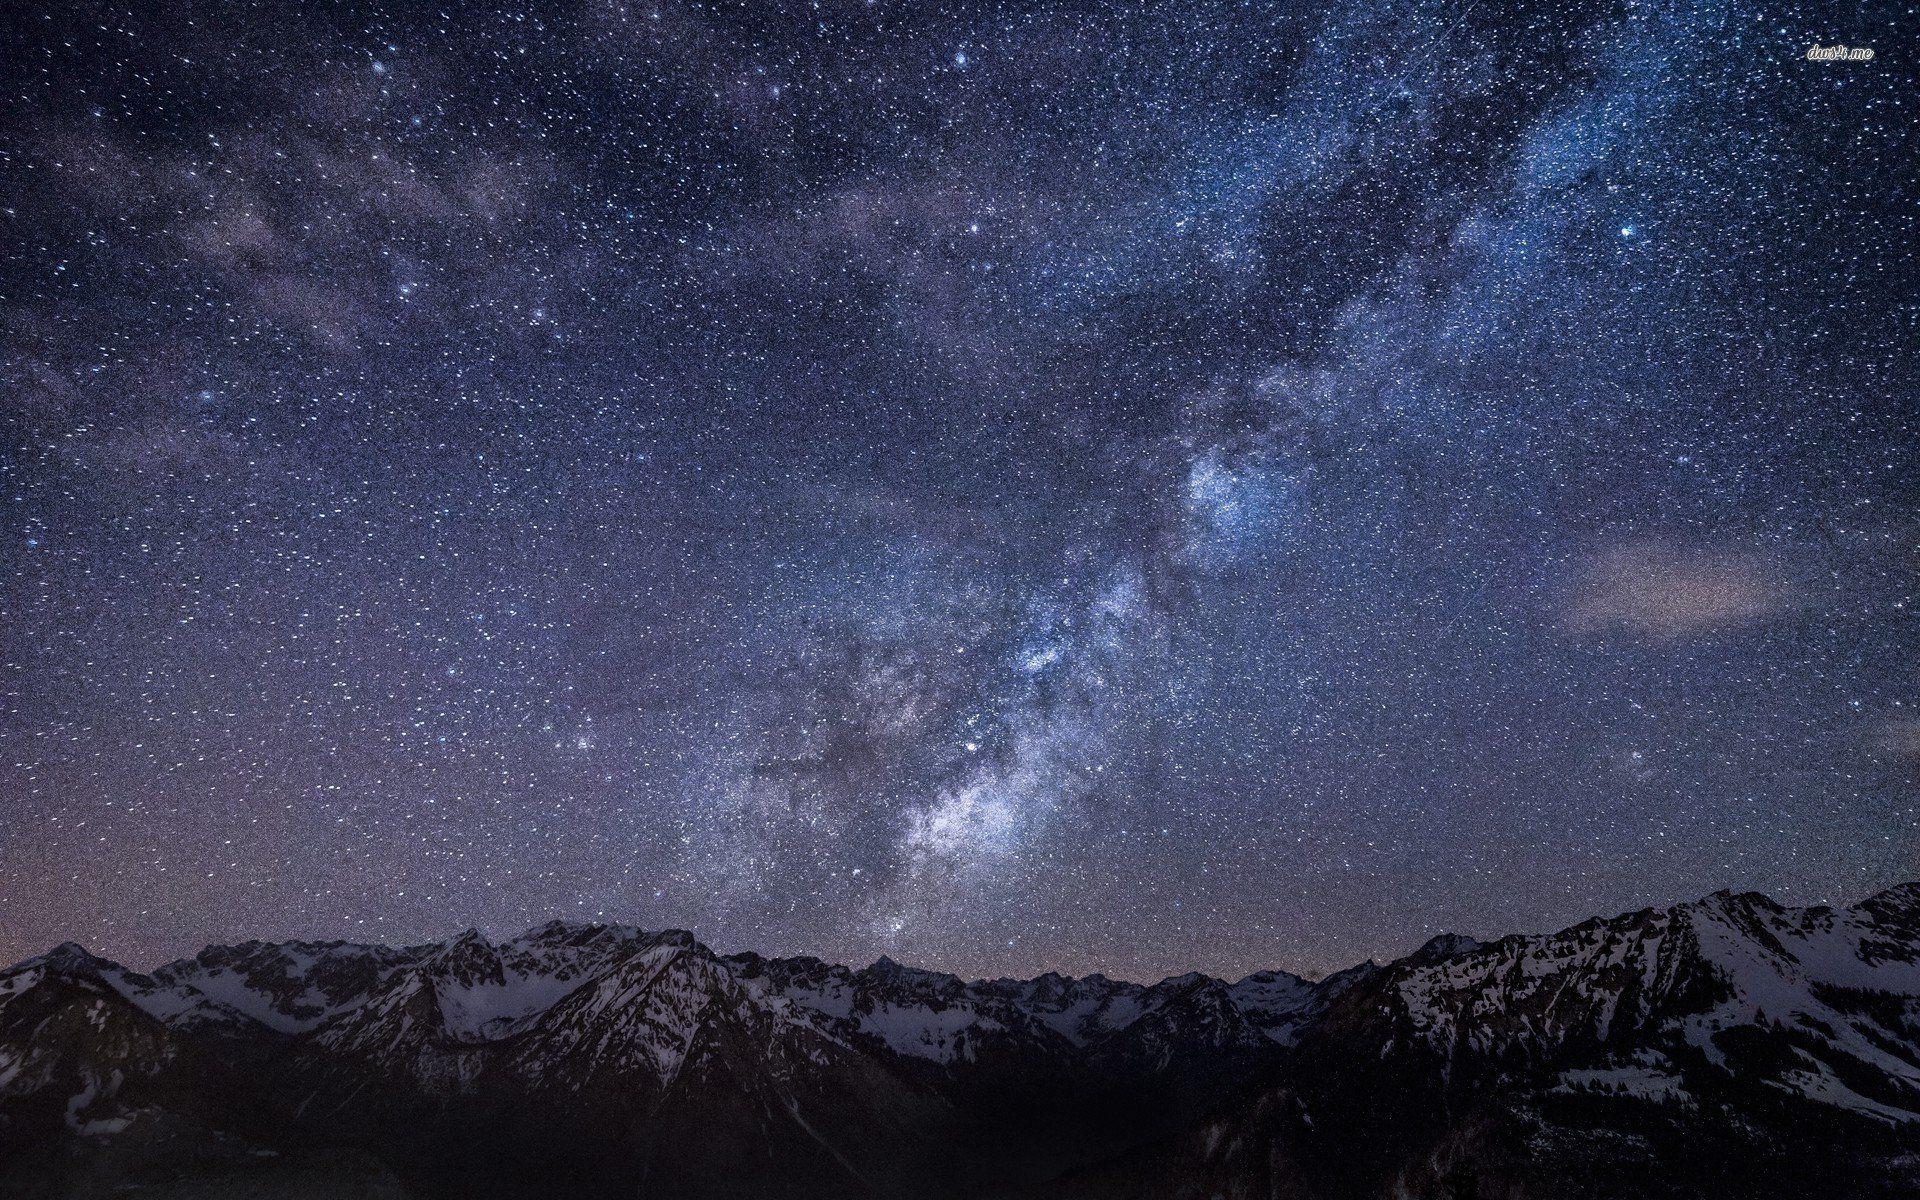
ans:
(1011, 486)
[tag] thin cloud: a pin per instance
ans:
(1899, 739)
(1665, 591)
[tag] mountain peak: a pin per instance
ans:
(1901, 897)
(1726, 897)
(72, 956)
(1443, 946)
(1190, 979)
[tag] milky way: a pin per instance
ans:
(1221, 486)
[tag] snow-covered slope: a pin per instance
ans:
(288, 987)
(72, 1043)
(1660, 988)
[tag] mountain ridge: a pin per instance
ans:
(619, 1058)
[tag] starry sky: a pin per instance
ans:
(1096, 487)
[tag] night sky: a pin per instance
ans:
(1135, 489)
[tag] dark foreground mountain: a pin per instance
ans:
(1725, 1048)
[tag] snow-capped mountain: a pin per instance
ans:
(1677, 982)
(1729, 1046)
(613, 1059)
(618, 1034)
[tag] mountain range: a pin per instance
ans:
(1726, 1047)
